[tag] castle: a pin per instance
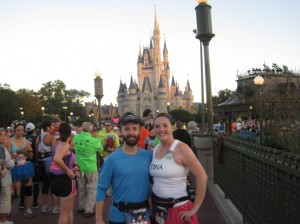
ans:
(153, 90)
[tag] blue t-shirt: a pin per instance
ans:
(129, 177)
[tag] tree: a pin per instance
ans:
(54, 96)
(222, 96)
(30, 104)
(182, 115)
(9, 109)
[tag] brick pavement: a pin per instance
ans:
(207, 214)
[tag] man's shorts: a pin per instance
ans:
(62, 186)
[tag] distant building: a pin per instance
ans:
(153, 90)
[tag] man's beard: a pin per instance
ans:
(131, 142)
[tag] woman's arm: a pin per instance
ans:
(190, 161)
(8, 146)
(52, 141)
(9, 162)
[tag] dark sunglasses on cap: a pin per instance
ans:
(130, 118)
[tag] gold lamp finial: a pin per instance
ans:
(202, 1)
(97, 73)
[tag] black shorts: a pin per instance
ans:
(62, 186)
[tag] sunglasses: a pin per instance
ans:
(130, 117)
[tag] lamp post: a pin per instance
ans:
(65, 108)
(98, 81)
(259, 81)
(43, 113)
(168, 107)
(21, 112)
(71, 117)
(205, 34)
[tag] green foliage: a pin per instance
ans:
(222, 96)
(266, 71)
(9, 109)
(183, 115)
(53, 96)
(79, 121)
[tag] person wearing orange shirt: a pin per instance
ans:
(144, 133)
(233, 126)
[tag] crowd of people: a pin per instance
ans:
(143, 166)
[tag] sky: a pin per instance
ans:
(68, 40)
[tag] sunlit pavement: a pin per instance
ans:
(207, 214)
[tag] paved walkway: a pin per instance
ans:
(207, 214)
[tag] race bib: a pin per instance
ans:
(138, 216)
(160, 214)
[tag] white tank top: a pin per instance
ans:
(168, 176)
(42, 147)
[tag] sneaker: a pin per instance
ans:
(45, 209)
(55, 210)
(28, 213)
(89, 214)
(35, 205)
(80, 210)
(21, 206)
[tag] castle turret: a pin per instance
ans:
(121, 98)
(188, 97)
(132, 95)
(166, 57)
(172, 88)
(162, 96)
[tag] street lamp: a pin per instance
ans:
(65, 108)
(43, 113)
(71, 116)
(168, 107)
(204, 34)
(98, 81)
(22, 114)
(259, 81)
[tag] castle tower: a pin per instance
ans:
(153, 89)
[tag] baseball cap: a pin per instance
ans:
(30, 127)
(108, 122)
(130, 118)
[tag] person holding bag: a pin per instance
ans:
(172, 160)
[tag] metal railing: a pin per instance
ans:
(262, 182)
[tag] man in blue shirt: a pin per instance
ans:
(127, 171)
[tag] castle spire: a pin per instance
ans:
(165, 45)
(173, 81)
(161, 83)
(151, 43)
(121, 89)
(140, 50)
(156, 26)
(188, 86)
(131, 85)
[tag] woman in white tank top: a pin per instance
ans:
(171, 162)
